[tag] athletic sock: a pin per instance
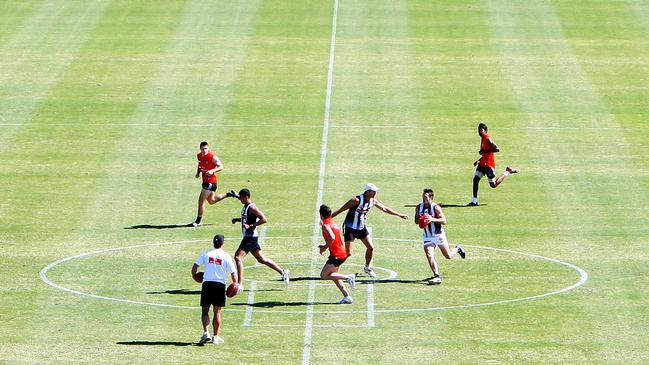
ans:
(506, 173)
(475, 200)
(198, 220)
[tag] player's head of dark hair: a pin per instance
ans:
(218, 241)
(482, 126)
(203, 144)
(325, 211)
(244, 192)
(429, 191)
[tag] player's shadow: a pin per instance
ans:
(447, 205)
(158, 343)
(193, 292)
(273, 303)
(162, 226)
(177, 292)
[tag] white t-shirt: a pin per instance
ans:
(218, 264)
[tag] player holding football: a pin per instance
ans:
(357, 209)
(486, 164)
(209, 165)
(430, 218)
(251, 218)
(218, 264)
(337, 255)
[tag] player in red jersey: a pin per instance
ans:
(209, 165)
(337, 255)
(486, 164)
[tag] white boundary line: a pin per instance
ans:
(247, 321)
(582, 273)
(308, 326)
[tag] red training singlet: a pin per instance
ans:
(488, 158)
(206, 163)
(337, 247)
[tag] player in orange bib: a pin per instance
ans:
(209, 165)
(486, 164)
(337, 255)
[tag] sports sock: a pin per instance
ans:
(475, 200)
(199, 219)
(506, 173)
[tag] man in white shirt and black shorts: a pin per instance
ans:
(218, 264)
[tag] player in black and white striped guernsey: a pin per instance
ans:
(354, 227)
(251, 218)
(434, 234)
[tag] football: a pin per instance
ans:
(232, 290)
(198, 277)
(424, 220)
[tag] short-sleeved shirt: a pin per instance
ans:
(487, 159)
(205, 163)
(337, 248)
(218, 264)
(433, 229)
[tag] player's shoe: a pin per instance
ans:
(346, 300)
(195, 224)
(351, 280)
(286, 278)
(205, 338)
(511, 170)
(461, 251)
(436, 280)
(217, 340)
(232, 194)
(368, 270)
(472, 204)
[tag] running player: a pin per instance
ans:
(218, 264)
(251, 218)
(209, 165)
(337, 255)
(486, 164)
(434, 235)
(357, 208)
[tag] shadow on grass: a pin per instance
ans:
(446, 205)
(163, 226)
(193, 292)
(272, 304)
(158, 343)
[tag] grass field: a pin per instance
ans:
(103, 105)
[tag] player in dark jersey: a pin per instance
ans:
(486, 164)
(251, 218)
(357, 208)
(209, 165)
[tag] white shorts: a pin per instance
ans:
(438, 240)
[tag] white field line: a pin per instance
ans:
(247, 321)
(370, 305)
(400, 125)
(308, 326)
(253, 286)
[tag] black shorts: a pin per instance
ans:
(490, 172)
(333, 260)
(350, 233)
(212, 293)
(249, 244)
(210, 186)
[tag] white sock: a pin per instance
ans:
(475, 200)
(506, 173)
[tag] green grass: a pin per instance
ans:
(102, 107)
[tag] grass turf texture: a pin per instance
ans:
(102, 107)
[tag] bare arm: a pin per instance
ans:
(262, 218)
(388, 210)
(439, 216)
(218, 164)
(194, 269)
(350, 203)
(329, 238)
